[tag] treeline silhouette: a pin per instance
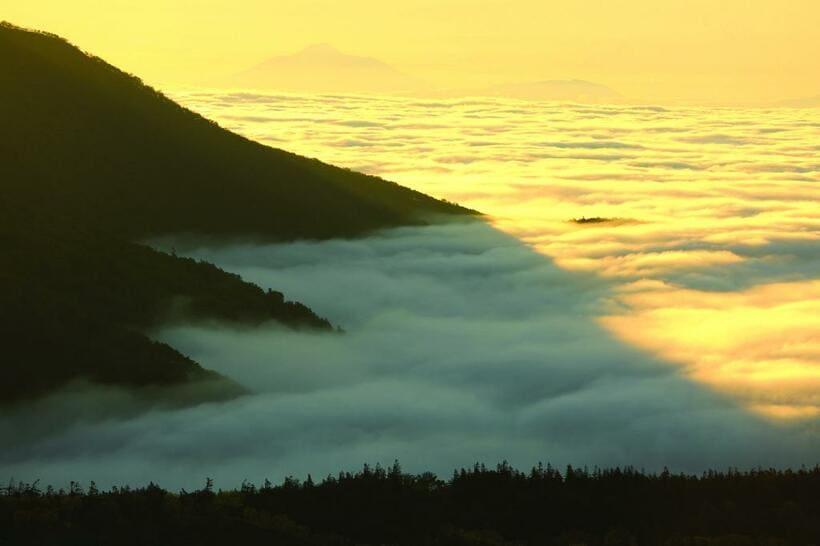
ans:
(476, 506)
(92, 161)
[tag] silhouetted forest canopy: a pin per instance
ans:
(592, 220)
(477, 506)
(92, 161)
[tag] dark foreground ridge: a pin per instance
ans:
(477, 506)
(93, 161)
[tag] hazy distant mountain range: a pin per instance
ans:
(321, 68)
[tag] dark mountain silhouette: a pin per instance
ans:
(323, 68)
(93, 161)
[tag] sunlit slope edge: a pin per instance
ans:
(81, 136)
(91, 160)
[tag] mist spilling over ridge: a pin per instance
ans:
(93, 162)
(460, 344)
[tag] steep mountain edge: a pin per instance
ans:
(98, 145)
(76, 305)
(92, 160)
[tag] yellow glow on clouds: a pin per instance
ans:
(711, 231)
(760, 344)
(650, 263)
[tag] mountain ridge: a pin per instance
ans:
(92, 161)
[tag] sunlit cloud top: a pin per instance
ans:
(706, 221)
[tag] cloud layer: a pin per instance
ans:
(464, 344)
(712, 201)
(461, 345)
(709, 177)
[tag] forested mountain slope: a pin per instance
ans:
(93, 161)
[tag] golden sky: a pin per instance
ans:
(701, 51)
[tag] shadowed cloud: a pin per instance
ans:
(460, 344)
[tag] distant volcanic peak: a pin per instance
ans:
(322, 67)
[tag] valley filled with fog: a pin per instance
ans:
(460, 344)
(646, 292)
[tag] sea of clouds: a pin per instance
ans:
(460, 344)
(684, 331)
(713, 231)
(745, 181)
